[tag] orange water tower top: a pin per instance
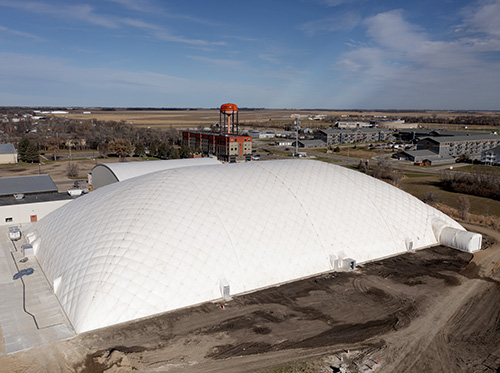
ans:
(228, 108)
(228, 118)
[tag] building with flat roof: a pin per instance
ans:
(34, 184)
(352, 124)
(455, 146)
(314, 143)
(491, 156)
(28, 198)
(359, 135)
(419, 156)
(419, 134)
(227, 147)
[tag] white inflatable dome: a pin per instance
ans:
(183, 236)
(107, 173)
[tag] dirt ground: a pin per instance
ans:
(57, 170)
(435, 310)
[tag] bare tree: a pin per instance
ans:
(72, 170)
(103, 149)
(464, 207)
(53, 144)
(430, 197)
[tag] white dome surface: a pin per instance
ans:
(106, 173)
(168, 239)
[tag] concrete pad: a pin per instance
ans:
(30, 314)
(7, 267)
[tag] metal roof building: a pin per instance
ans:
(8, 154)
(27, 185)
(180, 237)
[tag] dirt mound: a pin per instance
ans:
(425, 311)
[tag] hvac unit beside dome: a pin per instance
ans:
(224, 289)
(348, 264)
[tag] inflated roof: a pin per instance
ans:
(107, 173)
(172, 238)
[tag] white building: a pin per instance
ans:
(285, 142)
(180, 237)
(8, 154)
(108, 173)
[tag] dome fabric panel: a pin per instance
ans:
(166, 240)
(107, 173)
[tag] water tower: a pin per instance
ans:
(228, 118)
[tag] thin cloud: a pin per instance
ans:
(146, 6)
(331, 3)
(390, 30)
(484, 18)
(344, 22)
(80, 12)
(139, 6)
(20, 33)
(87, 14)
(218, 62)
(80, 86)
(481, 28)
(402, 61)
(162, 34)
(270, 58)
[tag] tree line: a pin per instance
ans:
(462, 120)
(479, 183)
(55, 134)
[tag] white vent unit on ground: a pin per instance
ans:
(409, 244)
(334, 262)
(224, 289)
(348, 264)
(27, 250)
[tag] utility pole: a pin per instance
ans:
(297, 124)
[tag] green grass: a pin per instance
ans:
(417, 174)
(478, 168)
(326, 159)
(420, 185)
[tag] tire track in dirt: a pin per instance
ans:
(408, 349)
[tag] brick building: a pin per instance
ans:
(227, 147)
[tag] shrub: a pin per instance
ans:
(72, 170)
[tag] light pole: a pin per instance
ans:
(297, 124)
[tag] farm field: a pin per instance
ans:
(194, 118)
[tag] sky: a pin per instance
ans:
(324, 54)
